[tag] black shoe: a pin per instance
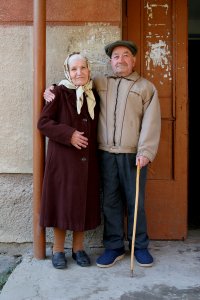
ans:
(81, 258)
(59, 260)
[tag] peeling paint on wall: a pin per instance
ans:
(150, 7)
(156, 35)
(158, 55)
(158, 41)
(158, 24)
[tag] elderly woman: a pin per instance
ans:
(70, 196)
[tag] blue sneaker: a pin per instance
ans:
(110, 257)
(143, 257)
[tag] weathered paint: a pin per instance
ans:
(158, 41)
(158, 55)
(150, 7)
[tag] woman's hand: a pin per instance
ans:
(48, 95)
(78, 140)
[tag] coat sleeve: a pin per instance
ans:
(150, 128)
(50, 127)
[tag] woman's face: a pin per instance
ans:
(78, 70)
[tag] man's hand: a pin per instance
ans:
(78, 140)
(143, 161)
(48, 95)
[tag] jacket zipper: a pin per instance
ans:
(115, 112)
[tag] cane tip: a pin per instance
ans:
(131, 273)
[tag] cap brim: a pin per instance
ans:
(128, 44)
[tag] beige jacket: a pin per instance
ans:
(129, 120)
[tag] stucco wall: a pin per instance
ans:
(17, 85)
(16, 99)
(16, 208)
(16, 91)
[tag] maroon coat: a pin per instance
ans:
(70, 196)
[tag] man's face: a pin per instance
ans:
(122, 61)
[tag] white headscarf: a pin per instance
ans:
(87, 88)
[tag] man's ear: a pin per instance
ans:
(134, 61)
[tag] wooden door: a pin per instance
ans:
(159, 28)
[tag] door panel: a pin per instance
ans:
(159, 28)
(162, 167)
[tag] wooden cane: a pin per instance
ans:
(135, 216)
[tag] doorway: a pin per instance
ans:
(162, 58)
(194, 100)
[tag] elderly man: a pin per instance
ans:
(129, 131)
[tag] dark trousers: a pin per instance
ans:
(118, 179)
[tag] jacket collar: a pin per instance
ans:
(132, 77)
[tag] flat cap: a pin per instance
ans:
(129, 44)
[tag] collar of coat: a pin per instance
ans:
(133, 76)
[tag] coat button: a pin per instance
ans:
(84, 120)
(83, 159)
